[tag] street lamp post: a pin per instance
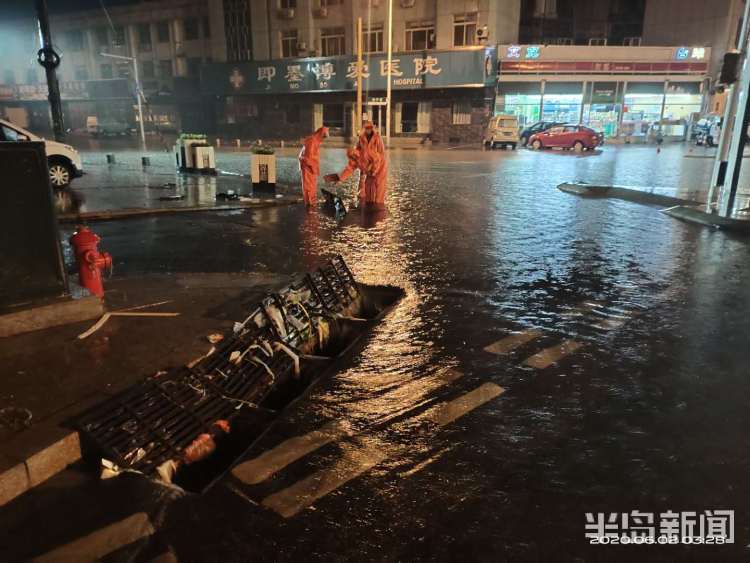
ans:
(137, 92)
(388, 75)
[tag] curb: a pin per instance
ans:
(624, 193)
(693, 215)
(142, 212)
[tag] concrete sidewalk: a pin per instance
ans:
(51, 375)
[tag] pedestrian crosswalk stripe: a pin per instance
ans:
(356, 460)
(365, 453)
(510, 343)
(549, 356)
(102, 542)
(269, 462)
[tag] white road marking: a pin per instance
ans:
(259, 469)
(510, 343)
(369, 452)
(420, 466)
(101, 542)
(549, 356)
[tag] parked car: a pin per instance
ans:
(110, 128)
(63, 160)
(575, 137)
(537, 127)
(502, 130)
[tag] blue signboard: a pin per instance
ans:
(428, 69)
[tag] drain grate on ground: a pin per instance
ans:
(171, 416)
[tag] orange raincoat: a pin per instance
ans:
(309, 164)
(373, 163)
(354, 163)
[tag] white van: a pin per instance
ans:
(63, 160)
(502, 130)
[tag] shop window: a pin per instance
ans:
(74, 40)
(465, 30)
(289, 43)
(162, 32)
(81, 72)
(147, 68)
(461, 113)
(191, 29)
(165, 69)
(640, 112)
(106, 71)
(525, 106)
(332, 41)
(144, 37)
(420, 36)
(372, 39)
(293, 113)
(564, 108)
(681, 106)
(409, 117)
(333, 116)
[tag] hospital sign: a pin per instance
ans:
(427, 69)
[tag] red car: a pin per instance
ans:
(575, 137)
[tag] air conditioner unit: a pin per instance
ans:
(407, 3)
(302, 46)
(482, 33)
(598, 41)
(321, 12)
(632, 41)
(286, 13)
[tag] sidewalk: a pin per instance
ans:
(51, 375)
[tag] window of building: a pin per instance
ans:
(564, 108)
(525, 106)
(194, 66)
(331, 2)
(287, 4)
(332, 41)
(465, 30)
(640, 112)
(206, 27)
(75, 40)
(102, 36)
(9, 77)
(147, 69)
(106, 71)
(162, 32)
(165, 69)
(237, 30)
(144, 37)
(191, 29)
(293, 114)
(289, 43)
(333, 116)
(372, 39)
(461, 113)
(118, 39)
(81, 72)
(123, 70)
(420, 36)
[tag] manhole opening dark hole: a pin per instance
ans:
(189, 425)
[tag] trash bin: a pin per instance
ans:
(263, 168)
(194, 154)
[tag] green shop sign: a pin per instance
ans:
(408, 71)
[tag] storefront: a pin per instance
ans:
(446, 96)
(622, 91)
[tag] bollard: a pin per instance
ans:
(218, 142)
(239, 144)
(282, 144)
(110, 159)
(145, 161)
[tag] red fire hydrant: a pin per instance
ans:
(90, 261)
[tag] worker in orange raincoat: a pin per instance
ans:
(309, 165)
(354, 163)
(373, 164)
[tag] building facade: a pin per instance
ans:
(302, 75)
(170, 40)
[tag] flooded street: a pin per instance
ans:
(553, 356)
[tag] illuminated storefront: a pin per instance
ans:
(621, 91)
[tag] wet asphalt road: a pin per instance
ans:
(644, 409)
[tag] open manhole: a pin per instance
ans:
(189, 425)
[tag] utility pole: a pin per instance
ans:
(718, 176)
(388, 75)
(740, 122)
(358, 122)
(50, 60)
